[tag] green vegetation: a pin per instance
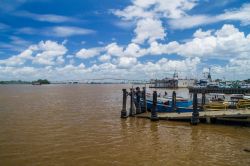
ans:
(15, 82)
(38, 82)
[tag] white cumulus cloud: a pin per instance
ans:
(88, 53)
(224, 43)
(104, 58)
(149, 29)
(189, 21)
(49, 53)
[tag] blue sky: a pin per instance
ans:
(140, 39)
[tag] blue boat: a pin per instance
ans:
(165, 105)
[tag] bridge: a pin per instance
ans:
(101, 80)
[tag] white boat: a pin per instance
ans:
(246, 96)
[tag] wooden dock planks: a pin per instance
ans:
(219, 90)
(202, 114)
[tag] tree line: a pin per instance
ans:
(39, 81)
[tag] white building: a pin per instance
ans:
(184, 83)
(174, 83)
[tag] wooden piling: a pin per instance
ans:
(138, 100)
(203, 99)
(208, 120)
(195, 114)
(174, 101)
(132, 104)
(154, 116)
(124, 103)
(144, 108)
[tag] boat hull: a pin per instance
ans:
(182, 106)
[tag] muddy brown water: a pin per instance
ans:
(81, 125)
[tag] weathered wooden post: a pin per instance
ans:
(154, 116)
(132, 104)
(174, 101)
(124, 102)
(195, 114)
(138, 100)
(144, 108)
(203, 99)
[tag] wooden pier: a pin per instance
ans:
(240, 116)
(219, 90)
(227, 116)
(243, 113)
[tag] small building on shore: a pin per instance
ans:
(174, 82)
(166, 83)
(184, 83)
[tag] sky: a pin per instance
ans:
(124, 39)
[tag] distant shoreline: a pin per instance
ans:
(20, 82)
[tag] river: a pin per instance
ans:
(81, 125)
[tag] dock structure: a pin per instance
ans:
(232, 113)
(219, 90)
(197, 114)
(206, 116)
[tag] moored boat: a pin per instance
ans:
(165, 105)
(246, 96)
